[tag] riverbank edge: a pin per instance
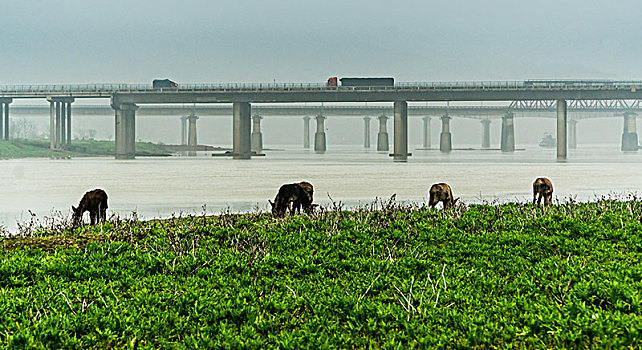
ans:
(39, 148)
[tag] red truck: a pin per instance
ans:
(333, 81)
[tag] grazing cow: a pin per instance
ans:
(296, 205)
(290, 193)
(95, 202)
(441, 192)
(544, 188)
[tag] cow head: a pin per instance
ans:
(76, 217)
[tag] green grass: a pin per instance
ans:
(506, 276)
(79, 148)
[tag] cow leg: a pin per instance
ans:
(92, 217)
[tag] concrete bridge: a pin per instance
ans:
(126, 98)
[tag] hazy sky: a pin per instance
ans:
(74, 41)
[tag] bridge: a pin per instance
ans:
(550, 95)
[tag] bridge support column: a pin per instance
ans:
(445, 139)
(401, 131)
(52, 125)
(426, 132)
(319, 136)
(382, 136)
(572, 134)
(630, 134)
(4, 118)
(508, 133)
(486, 133)
(192, 141)
(257, 136)
(58, 123)
(125, 131)
(242, 122)
(63, 123)
(1, 121)
(561, 130)
(184, 130)
(366, 132)
(68, 124)
(306, 132)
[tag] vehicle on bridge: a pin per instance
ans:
(164, 84)
(333, 81)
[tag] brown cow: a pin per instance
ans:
(296, 205)
(95, 202)
(544, 188)
(441, 192)
(290, 193)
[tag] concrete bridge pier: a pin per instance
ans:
(572, 134)
(508, 133)
(485, 133)
(561, 130)
(183, 130)
(241, 124)
(68, 124)
(445, 139)
(382, 136)
(366, 132)
(192, 140)
(400, 131)
(4, 118)
(60, 122)
(125, 131)
(426, 132)
(257, 136)
(306, 132)
(63, 126)
(52, 124)
(319, 136)
(630, 133)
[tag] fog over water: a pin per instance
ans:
(160, 187)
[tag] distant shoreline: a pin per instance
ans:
(39, 148)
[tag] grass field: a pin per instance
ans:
(78, 148)
(385, 275)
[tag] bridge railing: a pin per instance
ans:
(240, 87)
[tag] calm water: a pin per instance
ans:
(160, 187)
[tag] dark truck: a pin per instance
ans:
(164, 84)
(362, 81)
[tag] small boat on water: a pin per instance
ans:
(548, 141)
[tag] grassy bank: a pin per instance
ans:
(79, 148)
(383, 276)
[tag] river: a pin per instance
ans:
(160, 187)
